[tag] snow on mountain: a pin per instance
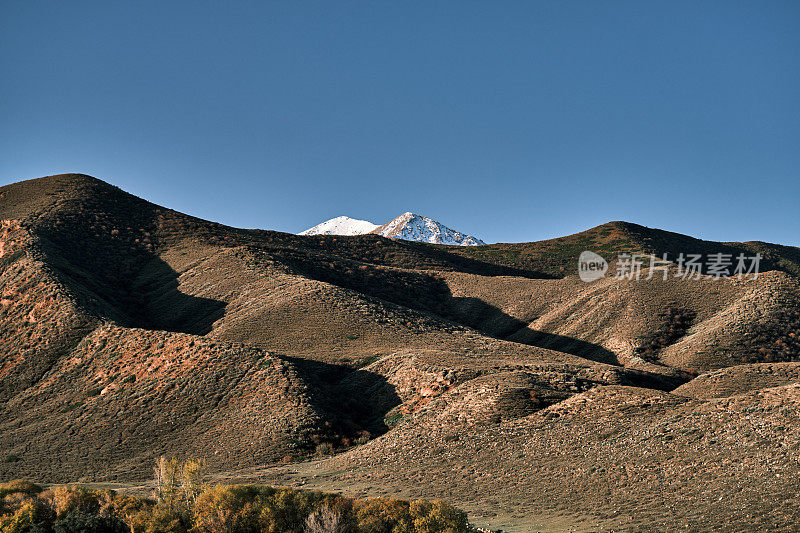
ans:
(341, 226)
(407, 226)
(411, 227)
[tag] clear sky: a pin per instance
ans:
(513, 121)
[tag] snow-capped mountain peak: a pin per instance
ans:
(341, 226)
(408, 226)
(413, 227)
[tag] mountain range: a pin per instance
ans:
(408, 226)
(491, 376)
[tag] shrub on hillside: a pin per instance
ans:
(674, 323)
(775, 339)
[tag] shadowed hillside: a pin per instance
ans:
(558, 257)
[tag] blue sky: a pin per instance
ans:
(514, 121)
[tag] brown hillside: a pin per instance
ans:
(612, 458)
(490, 375)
